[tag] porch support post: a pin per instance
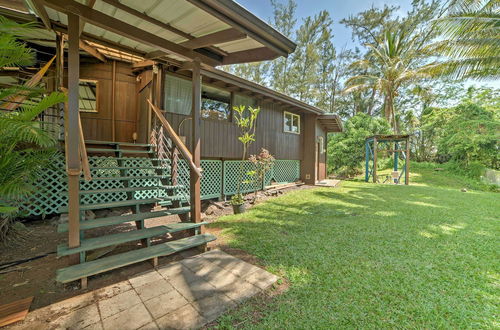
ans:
(195, 182)
(367, 160)
(407, 162)
(375, 149)
(72, 135)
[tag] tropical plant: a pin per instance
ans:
(263, 163)
(346, 150)
(389, 67)
(471, 44)
(25, 148)
(467, 134)
(245, 118)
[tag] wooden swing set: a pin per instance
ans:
(395, 144)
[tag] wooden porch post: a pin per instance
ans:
(407, 162)
(195, 182)
(375, 147)
(73, 158)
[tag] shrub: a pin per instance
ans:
(346, 150)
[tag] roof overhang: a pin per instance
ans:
(217, 32)
(330, 123)
(258, 91)
(389, 137)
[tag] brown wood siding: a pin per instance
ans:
(322, 156)
(97, 126)
(219, 139)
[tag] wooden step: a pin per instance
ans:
(109, 205)
(109, 221)
(169, 200)
(127, 189)
(163, 168)
(128, 151)
(127, 158)
(120, 238)
(86, 269)
(127, 144)
(124, 178)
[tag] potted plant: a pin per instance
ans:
(245, 120)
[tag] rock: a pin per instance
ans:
(463, 190)
(63, 218)
(101, 213)
(89, 215)
(211, 210)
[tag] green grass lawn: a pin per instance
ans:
(375, 256)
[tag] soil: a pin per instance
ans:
(40, 238)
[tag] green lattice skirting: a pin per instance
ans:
(219, 178)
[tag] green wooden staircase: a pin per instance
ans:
(137, 177)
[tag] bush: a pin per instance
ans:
(346, 150)
(468, 136)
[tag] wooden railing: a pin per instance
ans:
(175, 139)
(84, 160)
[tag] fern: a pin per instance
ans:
(26, 149)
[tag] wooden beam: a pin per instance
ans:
(251, 55)
(40, 11)
(147, 18)
(156, 22)
(92, 51)
(90, 4)
(113, 102)
(72, 138)
(119, 27)
(143, 64)
(195, 179)
(214, 38)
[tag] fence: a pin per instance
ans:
(219, 179)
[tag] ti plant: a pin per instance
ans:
(246, 118)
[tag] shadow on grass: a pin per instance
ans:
(364, 248)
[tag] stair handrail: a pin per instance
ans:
(175, 139)
(84, 159)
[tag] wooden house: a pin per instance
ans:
(149, 116)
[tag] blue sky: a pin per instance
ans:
(338, 9)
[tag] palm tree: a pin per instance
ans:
(471, 33)
(391, 63)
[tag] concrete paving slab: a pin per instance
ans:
(182, 295)
(154, 289)
(132, 318)
(165, 303)
(118, 303)
(186, 317)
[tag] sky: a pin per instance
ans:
(338, 10)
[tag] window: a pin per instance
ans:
(178, 95)
(87, 95)
(215, 103)
(291, 123)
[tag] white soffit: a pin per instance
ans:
(180, 14)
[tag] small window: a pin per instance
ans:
(87, 95)
(215, 103)
(291, 123)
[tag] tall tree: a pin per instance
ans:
(284, 20)
(311, 36)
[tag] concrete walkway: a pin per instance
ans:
(182, 295)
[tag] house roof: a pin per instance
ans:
(197, 22)
(330, 122)
(219, 32)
